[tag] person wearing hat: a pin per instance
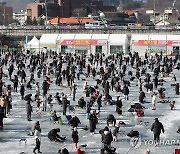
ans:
(54, 136)
(157, 127)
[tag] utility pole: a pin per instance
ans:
(46, 11)
(154, 12)
(62, 13)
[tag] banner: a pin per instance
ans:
(83, 42)
(156, 43)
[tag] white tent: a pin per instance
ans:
(49, 41)
(118, 43)
(33, 44)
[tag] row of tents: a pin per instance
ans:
(105, 43)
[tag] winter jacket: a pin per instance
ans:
(28, 108)
(157, 127)
(75, 136)
(107, 137)
(37, 134)
(126, 90)
(141, 97)
(52, 134)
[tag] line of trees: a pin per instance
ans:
(34, 22)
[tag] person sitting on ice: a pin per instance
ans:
(111, 120)
(54, 117)
(74, 122)
(54, 136)
(81, 102)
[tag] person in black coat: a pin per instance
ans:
(45, 87)
(111, 119)
(74, 122)
(63, 151)
(155, 82)
(54, 136)
(23, 76)
(65, 103)
(177, 88)
(75, 137)
(157, 127)
(15, 81)
(58, 98)
(93, 72)
(141, 97)
(81, 102)
(28, 110)
(107, 138)
(119, 106)
(126, 92)
(22, 90)
(92, 121)
(99, 102)
(2, 115)
(106, 87)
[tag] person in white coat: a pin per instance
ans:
(154, 101)
(37, 135)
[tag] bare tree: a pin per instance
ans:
(79, 13)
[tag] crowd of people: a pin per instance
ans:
(109, 73)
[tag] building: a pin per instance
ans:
(37, 9)
(89, 7)
(168, 17)
(66, 8)
(70, 21)
(20, 17)
(6, 14)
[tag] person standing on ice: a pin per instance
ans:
(118, 106)
(22, 90)
(75, 137)
(37, 134)
(154, 101)
(92, 121)
(1, 117)
(45, 87)
(65, 104)
(74, 88)
(177, 88)
(157, 127)
(28, 110)
(126, 92)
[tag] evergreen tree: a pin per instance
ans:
(28, 21)
(34, 22)
(41, 21)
